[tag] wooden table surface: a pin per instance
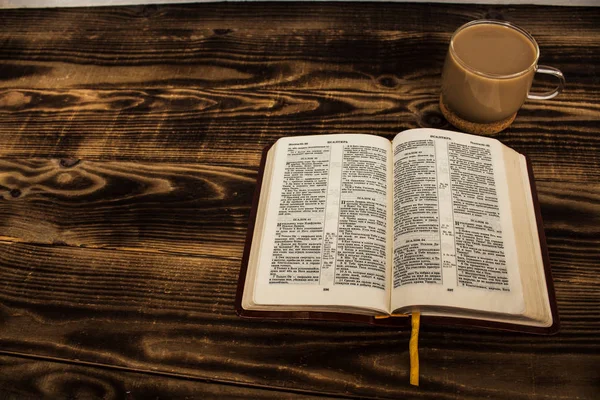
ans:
(130, 139)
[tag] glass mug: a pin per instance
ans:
(487, 76)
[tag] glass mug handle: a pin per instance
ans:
(543, 69)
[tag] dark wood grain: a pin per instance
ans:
(52, 380)
(173, 208)
(174, 314)
(200, 74)
(219, 125)
(129, 143)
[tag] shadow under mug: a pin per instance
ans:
(484, 102)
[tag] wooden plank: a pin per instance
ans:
(52, 380)
(149, 283)
(174, 314)
(291, 15)
(191, 209)
(378, 60)
(232, 127)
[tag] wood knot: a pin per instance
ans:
(388, 81)
(69, 162)
(15, 192)
(222, 31)
(432, 119)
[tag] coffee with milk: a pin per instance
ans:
(487, 75)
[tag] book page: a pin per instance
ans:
(324, 240)
(453, 232)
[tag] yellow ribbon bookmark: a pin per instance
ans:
(413, 347)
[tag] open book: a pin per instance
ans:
(354, 227)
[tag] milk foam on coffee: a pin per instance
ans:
(488, 72)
